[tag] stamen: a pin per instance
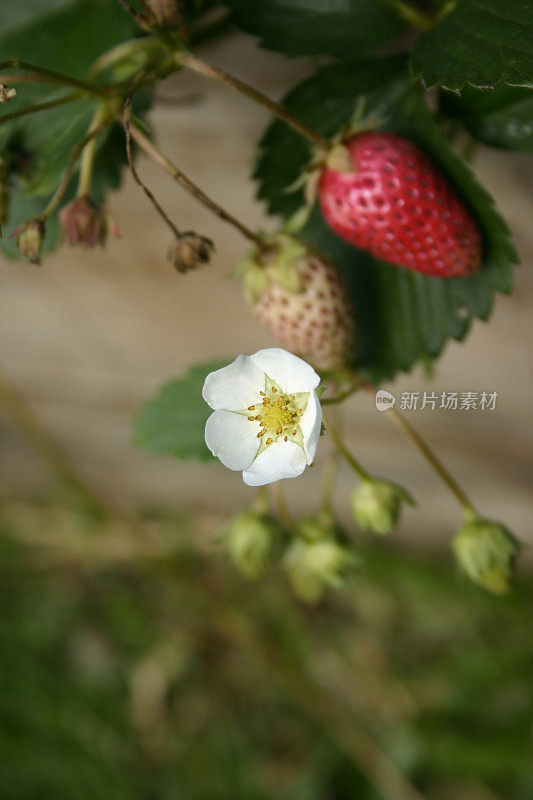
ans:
(258, 416)
(284, 438)
(269, 441)
(292, 397)
(251, 419)
(294, 433)
(251, 408)
(262, 394)
(274, 389)
(261, 433)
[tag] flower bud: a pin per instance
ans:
(86, 223)
(250, 538)
(29, 237)
(190, 251)
(315, 566)
(486, 551)
(376, 505)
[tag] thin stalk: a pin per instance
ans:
(22, 112)
(350, 458)
(281, 503)
(329, 474)
(87, 156)
(63, 185)
(192, 62)
(150, 149)
(412, 14)
(50, 76)
(461, 497)
(341, 396)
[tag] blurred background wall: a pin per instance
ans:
(91, 335)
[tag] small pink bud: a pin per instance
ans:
(86, 223)
(29, 237)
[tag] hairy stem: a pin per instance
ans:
(341, 447)
(192, 62)
(281, 503)
(50, 76)
(150, 149)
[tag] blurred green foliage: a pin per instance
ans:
(148, 669)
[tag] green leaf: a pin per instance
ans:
(37, 147)
(501, 117)
(309, 27)
(173, 423)
(481, 42)
(402, 316)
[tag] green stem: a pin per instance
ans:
(350, 458)
(461, 497)
(150, 149)
(412, 14)
(63, 185)
(50, 76)
(341, 396)
(329, 474)
(283, 509)
(189, 60)
(22, 112)
(88, 154)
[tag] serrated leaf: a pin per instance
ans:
(173, 423)
(310, 27)
(402, 316)
(481, 42)
(501, 117)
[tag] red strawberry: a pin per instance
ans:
(301, 298)
(398, 206)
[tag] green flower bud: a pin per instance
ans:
(29, 237)
(376, 505)
(316, 561)
(250, 538)
(486, 551)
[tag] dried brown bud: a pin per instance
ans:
(166, 12)
(86, 223)
(190, 251)
(29, 237)
(6, 93)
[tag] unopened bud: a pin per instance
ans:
(190, 251)
(487, 551)
(250, 538)
(86, 223)
(376, 505)
(29, 237)
(318, 527)
(314, 567)
(166, 12)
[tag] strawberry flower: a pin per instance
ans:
(266, 418)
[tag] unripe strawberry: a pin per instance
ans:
(397, 205)
(300, 297)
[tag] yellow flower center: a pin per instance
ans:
(278, 415)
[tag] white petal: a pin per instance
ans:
(232, 439)
(279, 460)
(293, 374)
(311, 424)
(234, 387)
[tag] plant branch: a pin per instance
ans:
(127, 130)
(350, 458)
(22, 112)
(50, 76)
(150, 149)
(435, 462)
(413, 15)
(283, 509)
(63, 185)
(189, 60)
